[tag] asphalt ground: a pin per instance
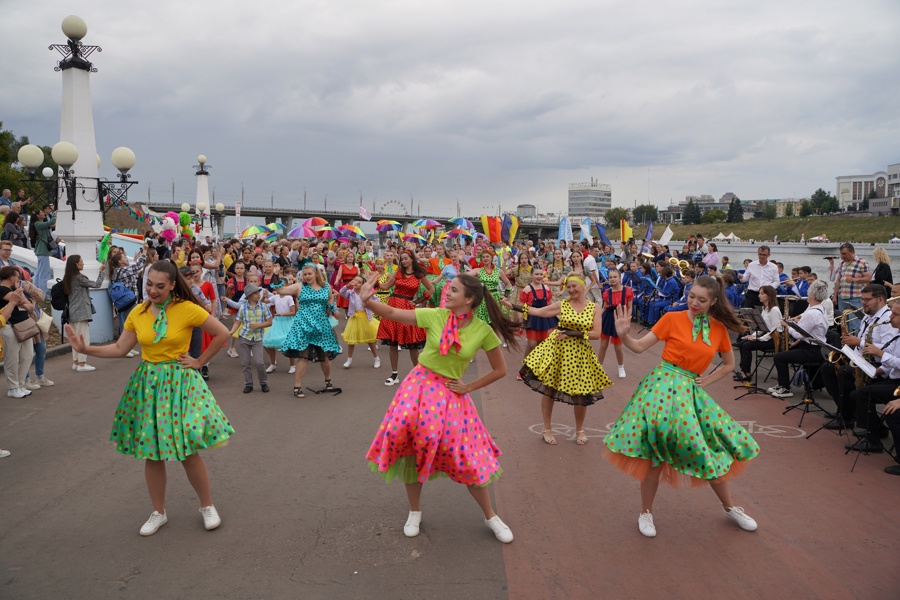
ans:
(303, 517)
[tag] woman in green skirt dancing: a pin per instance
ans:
(671, 427)
(167, 412)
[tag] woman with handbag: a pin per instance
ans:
(18, 350)
(43, 243)
(77, 287)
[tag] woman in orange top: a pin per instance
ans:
(671, 427)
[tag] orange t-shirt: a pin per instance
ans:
(675, 330)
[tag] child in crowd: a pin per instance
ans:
(273, 339)
(361, 327)
(249, 323)
(615, 295)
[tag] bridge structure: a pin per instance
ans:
(293, 217)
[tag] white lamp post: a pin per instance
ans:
(202, 198)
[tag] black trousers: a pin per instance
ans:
(751, 299)
(840, 385)
(748, 347)
(866, 399)
(804, 353)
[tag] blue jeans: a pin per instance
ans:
(123, 316)
(43, 273)
(40, 355)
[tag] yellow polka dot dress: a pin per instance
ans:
(567, 370)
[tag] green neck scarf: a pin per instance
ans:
(701, 327)
(161, 324)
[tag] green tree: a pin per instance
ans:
(614, 215)
(769, 211)
(806, 208)
(713, 216)
(691, 214)
(644, 213)
(789, 209)
(823, 202)
(735, 211)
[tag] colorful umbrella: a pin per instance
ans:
(255, 230)
(462, 223)
(426, 224)
(413, 237)
(352, 230)
(328, 233)
(386, 225)
(314, 222)
(276, 226)
(459, 233)
(272, 236)
(302, 232)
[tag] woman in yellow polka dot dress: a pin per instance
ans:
(564, 367)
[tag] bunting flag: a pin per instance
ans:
(565, 230)
(364, 214)
(645, 247)
(491, 227)
(585, 233)
(625, 232)
(601, 230)
(509, 229)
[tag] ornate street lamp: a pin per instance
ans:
(32, 157)
(115, 193)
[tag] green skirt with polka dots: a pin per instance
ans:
(673, 422)
(167, 413)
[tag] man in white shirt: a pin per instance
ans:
(880, 391)
(813, 322)
(590, 267)
(841, 383)
(757, 274)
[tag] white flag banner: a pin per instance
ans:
(586, 230)
(666, 236)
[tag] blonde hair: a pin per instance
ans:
(880, 255)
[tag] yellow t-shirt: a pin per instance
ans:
(227, 260)
(182, 316)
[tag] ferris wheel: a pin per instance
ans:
(394, 207)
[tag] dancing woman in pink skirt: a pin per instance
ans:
(432, 428)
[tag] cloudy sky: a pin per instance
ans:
(482, 102)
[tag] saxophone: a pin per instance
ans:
(860, 378)
(785, 341)
(837, 358)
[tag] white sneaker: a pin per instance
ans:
(738, 515)
(74, 366)
(772, 389)
(32, 385)
(15, 393)
(44, 382)
(155, 521)
(24, 392)
(271, 368)
(292, 370)
(4, 453)
(501, 531)
(377, 362)
(131, 354)
(781, 392)
(645, 524)
(85, 368)
(211, 518)
(411, 529)
(394, 379)
(348, 363)
(621, 371)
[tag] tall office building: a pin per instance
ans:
(591, 199)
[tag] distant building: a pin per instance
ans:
(853, 189)
(890, 203)
(590, 199)
(526, 211)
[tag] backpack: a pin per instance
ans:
(58, 298)
(122, 297)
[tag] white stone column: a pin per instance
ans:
(203, 198)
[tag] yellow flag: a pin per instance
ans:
(625, 231)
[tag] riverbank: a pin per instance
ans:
(844, 227)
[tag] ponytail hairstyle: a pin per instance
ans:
(182, 290)
(721, 309)
(503, 326)
(417, 268)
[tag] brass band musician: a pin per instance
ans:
(840, 382)
(811, 321)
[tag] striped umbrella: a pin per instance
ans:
(386, 225)
(276, 226)
(413, 237)
(314, 222)
(328, 233)
(460, 233)
(462, 223)
(302, 232)
(353, 231)
(254, 231)
(426, 224)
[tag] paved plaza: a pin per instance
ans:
(303, 517)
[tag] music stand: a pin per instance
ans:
(807, 401)
(752, 318)
(860, 363)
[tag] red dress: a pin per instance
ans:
(392, 333)
(348, 272)
(210, 293)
